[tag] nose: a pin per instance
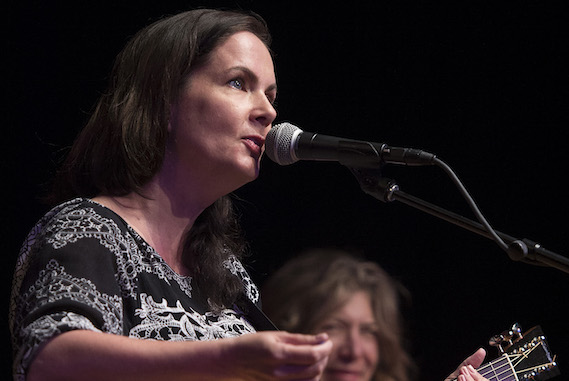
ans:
(263, 112)
(351, 346)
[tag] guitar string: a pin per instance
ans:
(492, 363)
(498, 371)
(510, 363)
(517, 359)
(523, 356)
(511, 368)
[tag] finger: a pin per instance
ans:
(306, 354)
(302, 339)
(476, 359)
(475, 375)
(470, 374)
(301, 372)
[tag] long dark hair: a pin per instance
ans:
(122, 146)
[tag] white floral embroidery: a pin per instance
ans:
(236, 268)
(87, 223)
(163, 322)
(52, 285)
(55, 284)
(44, 328)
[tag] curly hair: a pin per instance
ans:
(122, 146)
(314, 284)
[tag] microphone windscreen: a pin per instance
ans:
(279, 143)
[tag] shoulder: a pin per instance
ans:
(81, 214)
(75, 216)
(70, 230)
(78, 218)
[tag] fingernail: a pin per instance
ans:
(322, 337)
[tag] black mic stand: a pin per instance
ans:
(523, 250)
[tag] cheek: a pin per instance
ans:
(371, 349)
(374, 351)
(191, 120)
(334, 357)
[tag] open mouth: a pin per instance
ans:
(255, 145)
(256, 140)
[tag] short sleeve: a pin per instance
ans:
(65, 280)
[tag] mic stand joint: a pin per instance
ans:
(374, 184)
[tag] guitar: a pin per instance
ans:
(523, 357)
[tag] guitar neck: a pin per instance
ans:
(500, 369)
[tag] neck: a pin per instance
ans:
(160, 217)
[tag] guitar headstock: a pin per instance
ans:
(506, 339)
(526, 356)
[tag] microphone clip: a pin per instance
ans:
(374, 184)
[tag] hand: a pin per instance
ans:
(466, 370)
(468, 373)
(278, 356)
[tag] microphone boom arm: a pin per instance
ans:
(523, 250)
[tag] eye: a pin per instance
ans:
(331, 327)
(370, 331)
(237, 83)
(272, 99)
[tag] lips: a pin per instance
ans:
(255, 144)
(344, 374)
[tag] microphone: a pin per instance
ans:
(286, 144)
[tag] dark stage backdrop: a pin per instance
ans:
(482, 85)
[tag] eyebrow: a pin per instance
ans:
(371, 323)
(252, 75)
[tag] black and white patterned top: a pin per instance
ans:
(83, 267)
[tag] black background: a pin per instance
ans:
(482, 85)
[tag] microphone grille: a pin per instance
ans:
(279, 143)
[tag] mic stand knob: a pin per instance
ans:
(373, 184)
(517, 250)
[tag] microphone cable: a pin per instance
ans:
(470, 201)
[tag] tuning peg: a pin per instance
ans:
(515, 332)
(497, 341)
(507, 338)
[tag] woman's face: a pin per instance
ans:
(224, 111)
(353, 331)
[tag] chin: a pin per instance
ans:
(250, 172)
(246, 175)
(342, 376)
